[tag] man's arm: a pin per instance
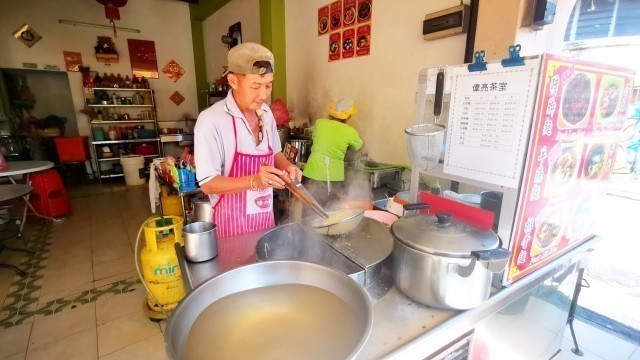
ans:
(268, 176)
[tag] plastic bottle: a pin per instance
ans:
(436, 189)
(99, 115)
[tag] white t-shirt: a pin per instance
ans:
(215, 144)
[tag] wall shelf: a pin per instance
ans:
(132, 106)
(97, 122)
(117, 158)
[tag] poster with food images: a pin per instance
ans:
(323, 20)
(365, 8)
(363, 40)
(335, 18)
(349, 12)
(348, 43)
(580, 110)
(334, 46)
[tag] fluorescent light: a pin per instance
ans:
(100, 26)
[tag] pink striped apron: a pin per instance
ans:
(245, 211)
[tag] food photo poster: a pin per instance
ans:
(348, 24)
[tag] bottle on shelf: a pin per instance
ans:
(114, 99)
(135, 83)
(119, 81)
(99, 115)
(145, 83)
(97, 80)
(127, 82)
(137, 99)
(146, 97)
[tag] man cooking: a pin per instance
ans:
(238, 153)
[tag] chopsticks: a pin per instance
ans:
(299, 191)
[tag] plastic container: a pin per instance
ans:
(133, 166)
(171, 205)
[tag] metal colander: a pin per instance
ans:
(424, 143)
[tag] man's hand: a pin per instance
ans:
(293, 172)
(268, 176)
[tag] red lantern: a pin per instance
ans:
(111, 11)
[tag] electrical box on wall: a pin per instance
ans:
(448, 22)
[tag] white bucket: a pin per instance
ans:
(133, 167)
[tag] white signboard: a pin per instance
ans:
(489, 119)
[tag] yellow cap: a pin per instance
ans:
(342, 108)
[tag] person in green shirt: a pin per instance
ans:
(324, 172)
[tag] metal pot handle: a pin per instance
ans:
(495, 259)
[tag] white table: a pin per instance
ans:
(16, 168)
(10, 192)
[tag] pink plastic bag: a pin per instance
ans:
(280, 112)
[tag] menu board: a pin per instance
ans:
(489, 119)
(579, 115)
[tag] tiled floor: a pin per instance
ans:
(85, 302)
(88, 304)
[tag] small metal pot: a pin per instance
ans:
(200, 241)
(444, 263)
(304, 149)
(202, 210)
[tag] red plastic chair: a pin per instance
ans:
(49, 196)
(72, 154)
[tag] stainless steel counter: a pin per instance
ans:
(404, 329)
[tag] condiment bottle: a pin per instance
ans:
(127, 82)
(114, 99)
(99, 115)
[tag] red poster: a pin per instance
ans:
(580, 111)
(143, 58)
(348, 43)
(363, 40)
(349, 12)
(323, 20)
(334, 46)
(72, 60)
(336, 15)
(365, 8)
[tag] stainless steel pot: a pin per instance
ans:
(444, 263)
(304, 149)
(261, 275)
(200, 241)
(202, 210)
(283, 134)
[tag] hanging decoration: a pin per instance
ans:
(27, 35)
(142, 54)
(72, 60)
(173, 70)
(106, 51)
(111, 11)
(177, 98)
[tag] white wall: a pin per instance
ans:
(166, 22)
(383, 85)
(245, 11)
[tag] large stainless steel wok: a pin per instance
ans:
(266, 274)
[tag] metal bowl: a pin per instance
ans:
(341, 227)
(261, 275)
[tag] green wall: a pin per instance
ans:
(272, 33)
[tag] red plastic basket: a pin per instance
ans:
(71, 149)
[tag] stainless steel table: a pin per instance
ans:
(404, 329)
(16, 168)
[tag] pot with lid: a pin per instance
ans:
(443, 263)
